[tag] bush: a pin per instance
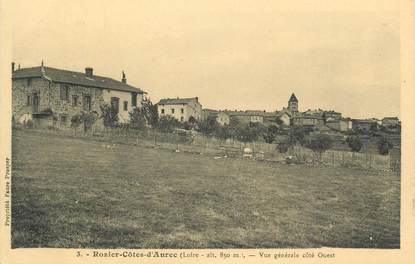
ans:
(355, 143)
(318, 143)
(76, 121)
(296, 134)
(109, 115)
(283, 146)
(167, 124)
(137, 119)
(208, 126)
(88, 119)
(384, 145)
(269, 135)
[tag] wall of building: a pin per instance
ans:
(193, 109)
(123, 114)
(223, 118)
(63, 110)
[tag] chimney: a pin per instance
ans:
(89, 71)
(197, 99)
(13, 66)
(124, 80)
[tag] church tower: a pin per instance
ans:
(293, 103)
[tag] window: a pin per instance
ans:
(125, 106)
(28, 100)
(172, 111)
(87, 103)
(64, 92)
(162, 111)
(74, 100)
(115, 104)
(181, 118)
(134, 100)
(182, 110)
(29, 82)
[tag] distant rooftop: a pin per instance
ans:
(172, 101)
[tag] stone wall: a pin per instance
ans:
(50, 98)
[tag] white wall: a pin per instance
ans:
(193, 108)
(123, 97)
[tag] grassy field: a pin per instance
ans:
(76, 193)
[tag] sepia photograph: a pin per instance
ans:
(205, 125)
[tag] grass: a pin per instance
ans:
(72, 193)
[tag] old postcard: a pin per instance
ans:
(207, 131)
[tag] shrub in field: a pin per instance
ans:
(167, 124)
(150, 112)
(208, 126)
(318, 143)
(270, 133)
(384, 145)
(109, 116)
(296, 135)
(137, 119)
(355, 143)
(222, 132)
(283, 146)
(76, 121)
(249, 132)
(88, 119)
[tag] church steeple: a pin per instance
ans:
(293, 103)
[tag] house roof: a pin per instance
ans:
(293, 98)
(170, 101)
(76, 78)
(390, 118)
(301, 116)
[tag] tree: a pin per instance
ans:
(355, 143)
(76, 121)
(283, 146)
(167, 124)
(222, 132)
(296, 135)
(384, 145)
(318, 143)
(109, 116)
(270, 133)
(150, 112)
(208, 125)
(88, 119)
(246, 133)
(137, 119)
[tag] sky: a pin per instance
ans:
(248, 55)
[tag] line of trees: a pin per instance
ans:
(147, 117)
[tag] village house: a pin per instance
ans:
(279, 118)
(50, 96)
(390, 121)
(209, 112)
(244, 117)
(342, 125)
(181, 109)
(307, 120)
(364, 124)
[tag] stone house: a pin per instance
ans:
(364, 124)
(181, 109)
(307, 120)
(50, 96)
(390, 121)
(343, 124)
(243, 117)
